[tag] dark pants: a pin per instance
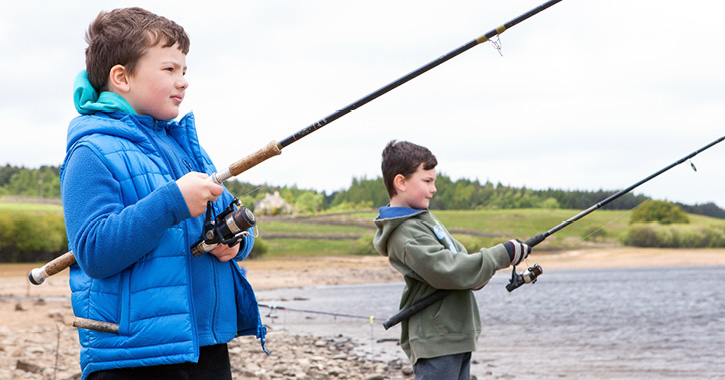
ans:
(449, 367)
(213, 365)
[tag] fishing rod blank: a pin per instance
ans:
(274, 148)
(442, 293)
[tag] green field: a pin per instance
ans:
(336, 235)
(475, 229)
(30, 207)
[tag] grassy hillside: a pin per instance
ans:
(313, 235)
(30, 207)
(338, 234)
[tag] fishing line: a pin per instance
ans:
(370, 318)
(284, 308)
(627, 212)
(259, 187)
(497, 44)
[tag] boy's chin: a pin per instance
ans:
(168, 116)
(421, 206)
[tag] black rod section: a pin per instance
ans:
(396, 83)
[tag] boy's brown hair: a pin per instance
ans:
(403, 157)
(122, 36)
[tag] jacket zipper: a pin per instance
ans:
(213, 276)
(192, 316)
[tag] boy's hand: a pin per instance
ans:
(197, 191)
(224, 252)
(518, 250)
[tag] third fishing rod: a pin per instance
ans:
(274, 148)
(530, 275)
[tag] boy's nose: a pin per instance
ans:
(183, 83)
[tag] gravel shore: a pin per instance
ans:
(37, 340)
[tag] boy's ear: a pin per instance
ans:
(118, 79)
(399, 183)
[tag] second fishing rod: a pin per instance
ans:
(530, 275)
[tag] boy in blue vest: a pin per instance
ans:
(439, 339)
(135, 192)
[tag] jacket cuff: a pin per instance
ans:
(502, 255)
(177, 204)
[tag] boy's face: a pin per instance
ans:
(158, 85)
(416, 191)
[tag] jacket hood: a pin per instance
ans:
(389, 218)
(88, 101)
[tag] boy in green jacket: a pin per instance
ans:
(439, 339)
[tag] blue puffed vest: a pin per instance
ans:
(151, 301)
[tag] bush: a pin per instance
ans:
(259, 248)
(364, 246)
(661, 212)
(596, 234)
(550, 203)
(658, 236)
(31, 236)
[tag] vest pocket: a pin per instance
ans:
(124, 308)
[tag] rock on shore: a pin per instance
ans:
(49, 349)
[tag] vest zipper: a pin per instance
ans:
(192, 315)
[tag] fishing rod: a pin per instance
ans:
(229, 227)
(530, 275)
(274, 148)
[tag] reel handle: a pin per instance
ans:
(268, 151)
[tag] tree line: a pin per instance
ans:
(43, 182)
(364, 193)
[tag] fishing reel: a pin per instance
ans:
(526, 277)
(228, 228)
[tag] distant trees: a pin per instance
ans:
(364, 193)
(465, 194)
(43, 182)
(709, 209)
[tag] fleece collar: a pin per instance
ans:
(387, 212)
(88, 101)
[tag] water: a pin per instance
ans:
(581, 324)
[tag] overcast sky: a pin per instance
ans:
(587, 95)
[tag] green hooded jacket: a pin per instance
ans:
(425, 253)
